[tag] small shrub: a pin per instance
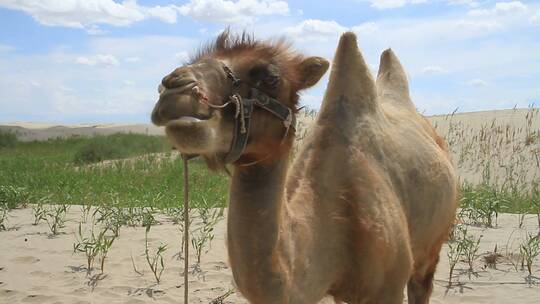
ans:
(94, 246)
(117, 146)
(471, 245)
(7, 139)
(13, 197)
(204, 233)
(56, 217)
(39, 212)
(3, 216)
(85, 212)
(112, 217)
(97, 151)
(155, 262)
(480, 205)
(530, 250)
(463, 245)
(454, 253)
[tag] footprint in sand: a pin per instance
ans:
(25, 260)
(41, 274)
(35, 298)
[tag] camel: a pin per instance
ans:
(366, 205)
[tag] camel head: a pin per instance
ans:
(204, 105)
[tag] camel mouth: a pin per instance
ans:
(188, 121)
(192, 134)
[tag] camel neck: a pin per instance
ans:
(254, 219)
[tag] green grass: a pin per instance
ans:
(51, 172)
(118, 146)
(492, 199)
(60, 171)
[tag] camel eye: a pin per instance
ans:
(271, 80)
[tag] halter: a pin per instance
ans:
(244, 111)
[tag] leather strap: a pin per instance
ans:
(275, 107)
(245, 111)
(240, 138)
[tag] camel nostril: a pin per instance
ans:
(157, 118)
(166, 80)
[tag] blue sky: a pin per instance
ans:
(84, 61)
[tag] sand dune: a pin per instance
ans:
(41, 131)
(27, 131)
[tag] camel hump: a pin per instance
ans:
(351, 85)
(392, 82)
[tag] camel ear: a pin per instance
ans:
(311, 71)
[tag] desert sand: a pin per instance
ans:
(28, 131)
(36, 267)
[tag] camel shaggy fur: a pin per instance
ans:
(366, 205)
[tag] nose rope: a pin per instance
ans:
(233, 99)
(186, 227)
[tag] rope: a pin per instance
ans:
(186, 227)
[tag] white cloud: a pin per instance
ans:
(94, 29)
(166, 14)
(500, 9)
(477, 83)
(535, 19)
(132, 59)
(6, 48)
(226, 11)
(433, 69)
(471, 3)
(88, 13)
(106, 60)
(387, 4)
(366, 28)
(313, 29)
(478, 26)
(73, 88)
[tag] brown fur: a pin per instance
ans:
(366, 206)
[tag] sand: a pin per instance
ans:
(36, 267)
(28, 131)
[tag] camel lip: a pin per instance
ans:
(188, 120)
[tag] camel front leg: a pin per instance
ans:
(420, 284)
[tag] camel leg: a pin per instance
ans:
(420, 285)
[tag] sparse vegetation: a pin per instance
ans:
(155, 261)
(455, 250)
(203, 234)
(3, 216)
(13, 196)
(530, 250)
(94, 246)
(40, 213)
(56, 217)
